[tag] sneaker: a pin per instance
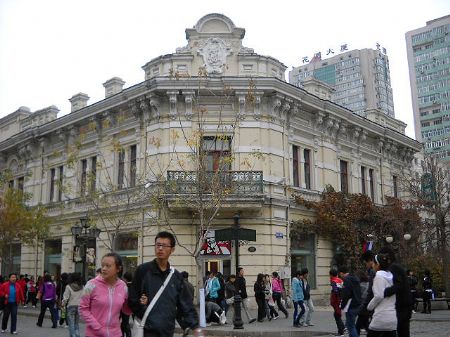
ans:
(3, 331)
(310, 324)
(276, 317)
(252, 320)
(14, 332)
(34, 306)
(339, 335)
(25, 306)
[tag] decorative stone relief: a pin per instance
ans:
(257, 107)
(154, 105)
(188, 99)
(214, 51)
(276, 105)
(241, 99)
(173, 113)
(318, 120)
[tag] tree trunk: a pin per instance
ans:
(199, 276)
(444, 253)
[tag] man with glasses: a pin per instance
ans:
(174, 303)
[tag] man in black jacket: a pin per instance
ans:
(241, 289)
(351, 299)
(174, 303)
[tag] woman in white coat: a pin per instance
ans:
(384, 319)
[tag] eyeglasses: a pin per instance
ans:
(162, 246)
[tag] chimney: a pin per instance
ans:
(113, 86)
(78, 101)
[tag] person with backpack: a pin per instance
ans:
(71, 301)
(335, 300)
(47, 295)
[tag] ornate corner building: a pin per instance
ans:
(303, 142)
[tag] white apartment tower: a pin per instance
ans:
(428, 50)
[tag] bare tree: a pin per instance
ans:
(431, 193)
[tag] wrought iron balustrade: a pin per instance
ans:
(233, 183)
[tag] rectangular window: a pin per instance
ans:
(295, 166)
(83, 177)
(307, 167)
(20, 183)
(11, 184)
(52, 183)
(363, 180)
(121, 169)
(93, 177)
(133, 165)
(344, 176)
(60, 182)
(371, 185)
(395, 186)
(217, 153)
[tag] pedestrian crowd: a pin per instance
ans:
(378, 300)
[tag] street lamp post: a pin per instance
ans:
(83, 233)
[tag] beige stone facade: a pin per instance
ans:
(304, 143)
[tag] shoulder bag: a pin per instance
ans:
(138, 326)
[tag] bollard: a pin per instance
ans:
(237, 319)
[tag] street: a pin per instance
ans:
(436, 325)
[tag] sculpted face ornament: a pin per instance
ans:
(214, 52)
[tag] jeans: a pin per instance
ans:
(73, 320)
(51, 306)
(350, 319)
(309, 306)
(297, 315)
(10, 308)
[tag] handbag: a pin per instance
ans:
(138, 326)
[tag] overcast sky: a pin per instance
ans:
(53, 49)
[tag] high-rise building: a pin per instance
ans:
(360, 79)
(428, 51)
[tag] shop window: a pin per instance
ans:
(303, 255)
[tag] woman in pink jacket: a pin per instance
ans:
(104, 298)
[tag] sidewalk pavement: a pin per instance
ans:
(322, 318)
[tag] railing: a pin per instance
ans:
(233, 183)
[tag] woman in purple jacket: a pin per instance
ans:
(47, 295)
